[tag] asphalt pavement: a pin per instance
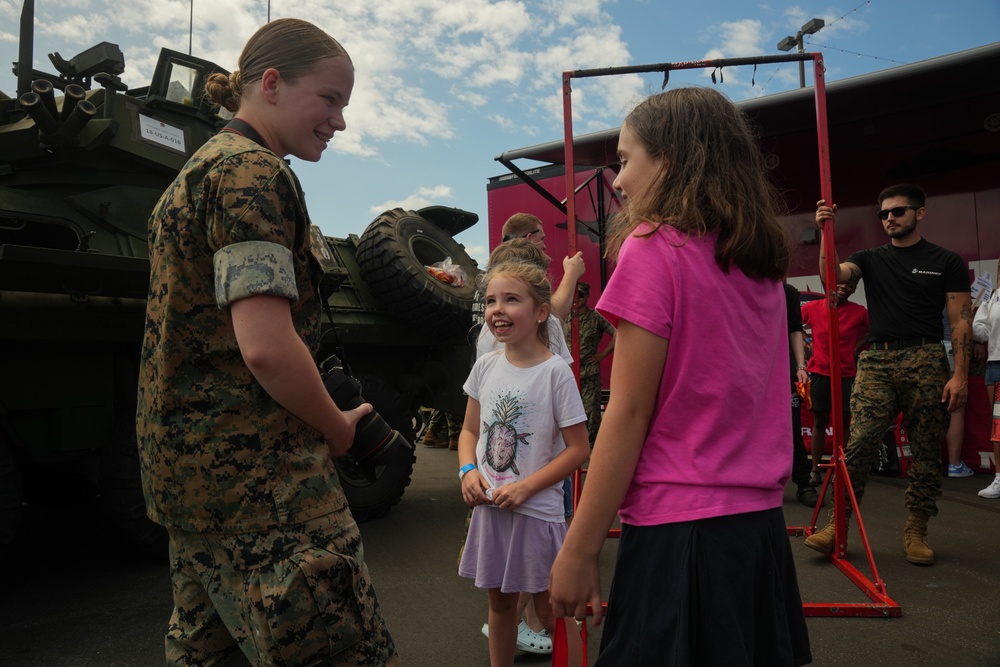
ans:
(73, 596)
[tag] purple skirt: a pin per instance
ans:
(510, 551)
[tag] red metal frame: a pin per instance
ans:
(881, 604)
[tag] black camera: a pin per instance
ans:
(375, 442)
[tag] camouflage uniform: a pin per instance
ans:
(246, 490)
(444, 425)
(911, 378)
(592, 329)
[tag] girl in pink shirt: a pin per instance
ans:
(695, 444)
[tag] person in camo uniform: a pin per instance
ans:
(592, 330)
(236, 432)
(908, 282)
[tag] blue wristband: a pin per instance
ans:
(466, 468)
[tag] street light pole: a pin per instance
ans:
(789, 43)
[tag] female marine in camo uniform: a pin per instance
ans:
(236, 431)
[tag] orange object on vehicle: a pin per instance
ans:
(441, 274)
(447, 272)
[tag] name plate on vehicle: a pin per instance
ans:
(160, 133)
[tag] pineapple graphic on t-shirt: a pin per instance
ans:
(502, 437)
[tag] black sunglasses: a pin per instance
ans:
(897, 212)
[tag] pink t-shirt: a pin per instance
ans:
(720, 439)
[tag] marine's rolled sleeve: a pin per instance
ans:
(250, 268)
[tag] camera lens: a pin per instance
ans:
(375, 442)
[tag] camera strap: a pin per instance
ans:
(337, 345)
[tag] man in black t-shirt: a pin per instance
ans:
(908, 282)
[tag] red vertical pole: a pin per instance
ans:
(570, 207)
(567, 90)
(570, 167)
(830, 281)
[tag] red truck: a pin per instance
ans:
(935, 123)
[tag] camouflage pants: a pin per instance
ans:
(444, 424)
(298, 596)
(590, 392)
(888, 381)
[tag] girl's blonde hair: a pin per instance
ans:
(291, 46)
(521, 250)
(713, 181)
(531, 276)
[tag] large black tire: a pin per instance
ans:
(373, 499)
(392, 255)
(10, 498)
(120, 485)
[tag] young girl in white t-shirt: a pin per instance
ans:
(524, 433)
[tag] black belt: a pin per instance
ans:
(903, 343)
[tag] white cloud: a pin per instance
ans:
(596, 101)
(419, 199)
(479, 252)
(502, 121)
(739, 39)
(574, 12)
(474, 100)
(742, 38)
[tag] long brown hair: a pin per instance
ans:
(291, 46)
(713, 181)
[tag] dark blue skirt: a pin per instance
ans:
(714, 592)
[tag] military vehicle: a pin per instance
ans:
(83, 160)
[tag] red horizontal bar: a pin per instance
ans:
(850, 610)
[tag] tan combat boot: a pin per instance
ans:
(433, 440)
(825, 540)
(915, 540)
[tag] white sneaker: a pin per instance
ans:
(991, 491)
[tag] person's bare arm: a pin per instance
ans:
(635, 379)
(959, 307)
(797, 342)
(281, 362)
(846, 272)
(473, 488)
(565, 294)
(608, 349)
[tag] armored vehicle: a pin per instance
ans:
(83, 160)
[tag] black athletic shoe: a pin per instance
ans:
(807, 496)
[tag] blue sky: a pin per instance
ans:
(444, 86)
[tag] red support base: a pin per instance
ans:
(881, 605)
